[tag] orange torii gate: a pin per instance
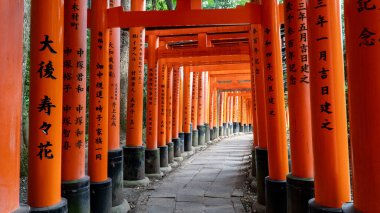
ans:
(326, 114)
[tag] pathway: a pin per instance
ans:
(209, 181)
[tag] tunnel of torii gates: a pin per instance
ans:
(211, 73)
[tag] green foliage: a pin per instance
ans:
(221, 4)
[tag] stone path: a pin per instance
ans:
(209, 181)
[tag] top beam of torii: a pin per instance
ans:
(248, 14)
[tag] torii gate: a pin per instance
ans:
(326, 114)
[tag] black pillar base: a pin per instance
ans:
(224, 129)
(253, 165)
(231, 128)
(170, 152)
(61, 207)
(300, 191)
(201, 135)
(181, 136)
(212, 134)
(177, 147)
(101, 196)
(250, 128)
(164, 161)
(220, 131)
(241, 127)
(275, 196)
(188, 142)
(236, 127)
(22, 209)
(77, 194)
(134, 163)
(245, 128)
(152, 161)
(261, 173)
(207, 137)
(216, 132)
(315, 208)
(195, 138)
(115, 172)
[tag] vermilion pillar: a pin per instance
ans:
(45, 117)
(152, 153)
(220, 112)
(363, 71)
(134, 151)
(187, 109)
(75, 184)
(211, 110)
(201, 112)
(206, 106)
(300, 181)
(277, 145)
(175, 112)
(101, 186)
(161, 131)
(231, 127)
(180, 122)
(328, 105)
(194, 107)
(224, 122)
(215, 113)
(11, 93)
(115, 153)
(261, 152)
(235, 113)
(169, 105)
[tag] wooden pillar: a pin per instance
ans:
(134, 151)
(181, 133)
(327, 93)
(162, 81)
(75, 183)
(169, 104)
(363, 66)
(277, 145)
(194, 107)
(101, 185)
(211, 110)
(328, 105)
(45, 109)
(11, 102)
(152, 153)
(300, 181)
(261, 152)
(201, 112)
(175, 112)
(187, 109)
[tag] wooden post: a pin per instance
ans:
(152, 153)
(45, 109)
(328, 107)
(277, 145)
(181, 133)
(169, 104)
(201, 112)
(11, 103)
(363, 66)
(300, 183)
(187, 109)
(75, 184)
(194, 107)
(162, 80)
(134, 151)
(175, 112)
(101, 185)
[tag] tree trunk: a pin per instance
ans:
(169, 3)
